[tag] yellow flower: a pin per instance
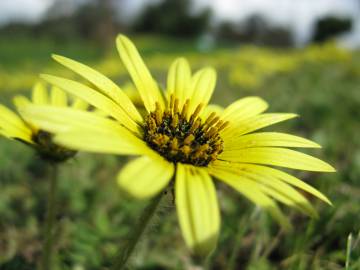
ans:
(13, 126)
(183, 138)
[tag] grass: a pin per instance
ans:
(95, 217)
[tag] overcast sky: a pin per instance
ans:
(299, 15)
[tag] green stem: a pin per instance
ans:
(125, 252)
(48, 247)
(348, 252)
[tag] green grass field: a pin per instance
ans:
(321, 84)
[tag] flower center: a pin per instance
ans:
(184, 139)
(48, 150)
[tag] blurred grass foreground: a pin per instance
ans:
(319, 82)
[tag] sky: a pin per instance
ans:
(22, 10)
(299, 15)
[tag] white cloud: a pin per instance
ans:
(22, 10)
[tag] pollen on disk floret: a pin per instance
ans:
(182, 136)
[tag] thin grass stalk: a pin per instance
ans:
(348, 252)
(125, 252)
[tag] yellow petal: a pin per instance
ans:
(267, 172)
(243, 109)
(210, 109)
(15, 133)
(61, 119)
(139, 73)
(146, 176)
(178, 80)
(269, 139)
(13, 126)
(99, 112)
(10, 117)
(278, 157)
(40, 95)
(100, 142)
(20, 102)
(197, 208)
(94, 98)
(131, 91)
(254, 123)
(80, 104)
(287, 195)
(202, 87)
(104, 84)
(5, 134)
(58, 97)
(252, 191)
(87, 127)
(9, 134)
(273, 187)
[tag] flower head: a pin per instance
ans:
(14, 126)
(184, 138)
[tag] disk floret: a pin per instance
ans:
(182, 138)
(48, 150)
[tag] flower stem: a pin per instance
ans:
(48, 248)
(125, 252)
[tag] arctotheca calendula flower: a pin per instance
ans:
(14, 126)
(183, 138)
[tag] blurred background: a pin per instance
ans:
(302, 56)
